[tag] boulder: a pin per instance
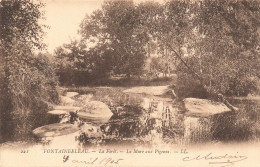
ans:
(204, 107)
(96, 108)
(71, 94)
(56, 129)
(95, 111)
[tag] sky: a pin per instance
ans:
(64, 17)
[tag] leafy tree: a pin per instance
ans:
(114, 27)
(72, 54)
(215, 42)
(221, 39)
(228, 49)
(78, 64)
(29, 83)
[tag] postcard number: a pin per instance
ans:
(24, 151)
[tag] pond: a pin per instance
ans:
(149, 120)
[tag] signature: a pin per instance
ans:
(223, 160)
(95, 161)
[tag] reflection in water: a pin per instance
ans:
(196, 130)
(148, 122)
(151, 121)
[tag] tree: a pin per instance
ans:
(29, 83)
(115, 27)
(229, 45)
(221, 38)
(78, 64)
(72, 54)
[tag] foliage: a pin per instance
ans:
(161, 65)
(113, 42)
(215, 44)
(228, 51)
(116, 39)
(75, 64)
(29, 83)
(116, 27)
(221, 40)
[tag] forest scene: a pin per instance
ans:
(150, 73)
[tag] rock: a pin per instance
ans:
(66, 100)
(56, 129)
(86, 97)
(95, 111)
(149, 90)
(57, 112)
(204, 107)
(83, 99)
(71, 94)
(96, 108)
(67, 108)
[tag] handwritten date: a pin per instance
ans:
(95, 161)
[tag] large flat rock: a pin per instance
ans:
(204, 107)
(56, 129)
(149, 90)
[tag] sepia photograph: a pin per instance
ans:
(125, 83)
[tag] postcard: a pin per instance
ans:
(129, 83)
